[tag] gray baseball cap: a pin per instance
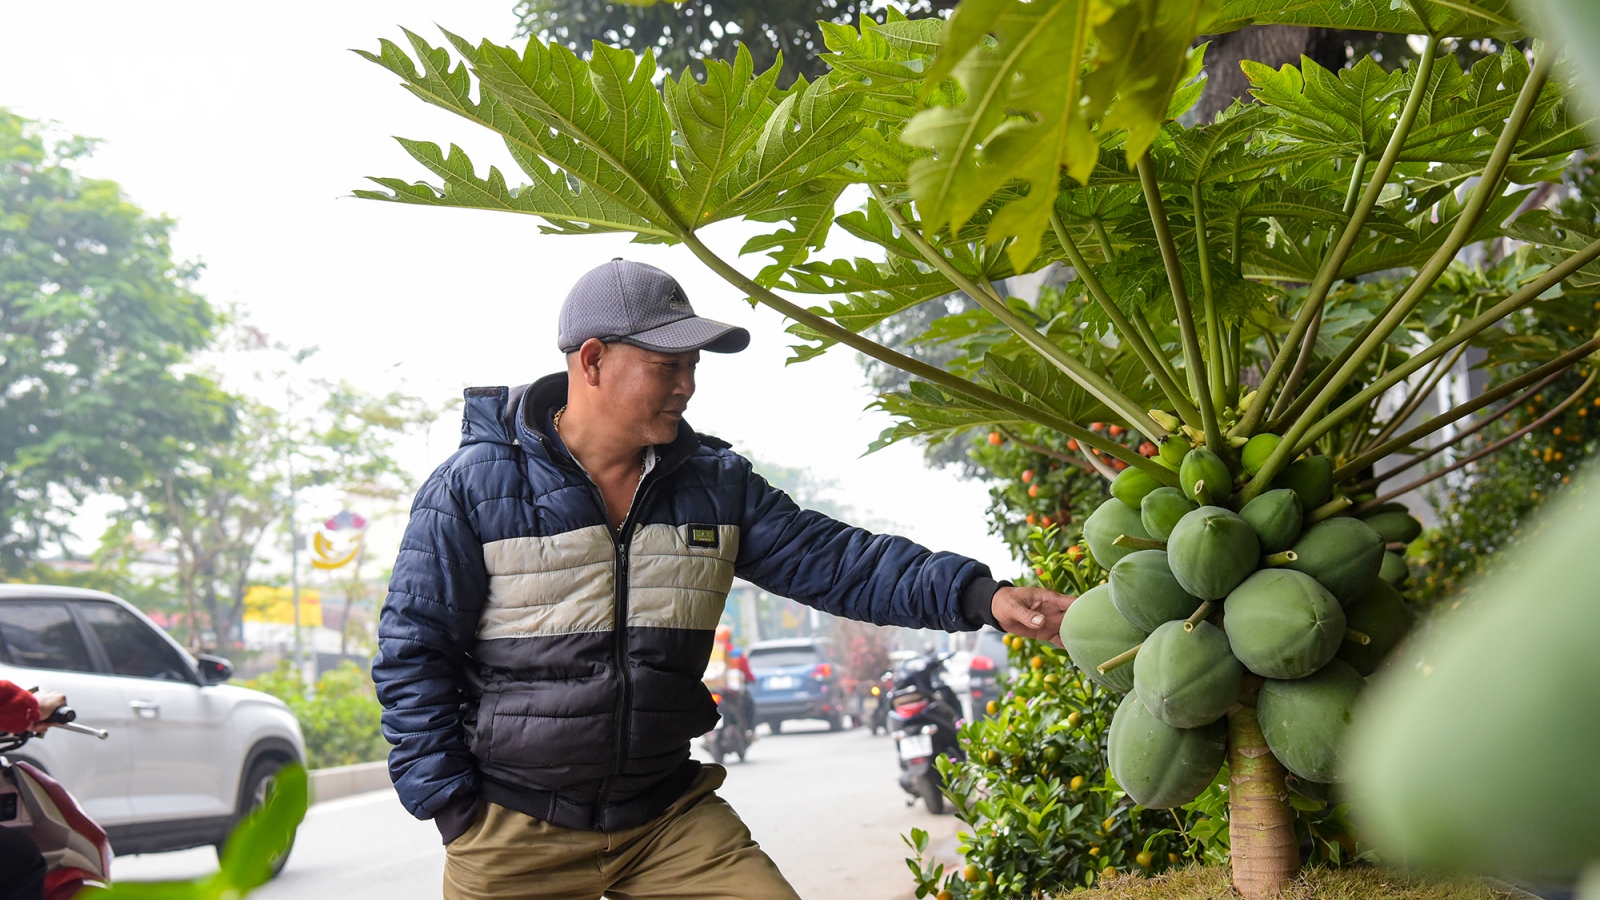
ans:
(632, 303)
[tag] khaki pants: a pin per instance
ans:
(697, 850)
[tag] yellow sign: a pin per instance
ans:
(324, 555)
(275, 605)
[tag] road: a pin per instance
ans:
(825, 806)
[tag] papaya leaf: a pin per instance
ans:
(1462, 18)
(714, 120)
(1028, 116)
(550, 196)
(808, 210)
(929, 413)
(1350, 111)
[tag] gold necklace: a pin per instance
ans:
(555, 421)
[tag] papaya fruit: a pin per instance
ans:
(1381, 615)
(1256, 450)
(1311, 478)
(1187, 678)
(1145, 592)
(1092, 631)
(1211, 550)
(1158, 765)
(1104, 525)
(1304, 720)
(1131, 485)
(1392, 526)
(1204, 477)
(1343, 554)
(1161, 510)
(1173, 449)
(1283, 624)
(1276, 516)
(1394, 569)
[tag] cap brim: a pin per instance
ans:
(692, 333)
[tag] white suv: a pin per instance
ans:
(187, 756)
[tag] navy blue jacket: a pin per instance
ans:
(532, 655)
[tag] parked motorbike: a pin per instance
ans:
(74, 847)
(923, 718)
(733, 734)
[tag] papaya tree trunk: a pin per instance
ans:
(1266, 854)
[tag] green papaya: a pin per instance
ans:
(1388, 507)
(1174, 447)
(1304, 720)
(1283, 624)
(1276, 516)
(1204, 477)
(1343, 554)
(1187, 678)
(1257, 449)
(1144, 590)
(1211, 550)
(1104, 525)
(1311, 478)
(1131, 485)
(1092, 631)
(1381, 615)
(1160, 766)
(1161, 510)
(1394, 527)
(1394, 569)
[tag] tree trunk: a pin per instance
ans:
(1273, 45)
(1266, 854)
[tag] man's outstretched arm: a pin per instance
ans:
(424, 634)
(881, 578)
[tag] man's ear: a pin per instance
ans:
(589, 356)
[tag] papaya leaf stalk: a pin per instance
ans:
(1193, 361)
(1495, 447)
(1488, 187)
(1302, 331)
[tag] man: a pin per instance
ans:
(555, 599)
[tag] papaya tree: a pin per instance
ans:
(1257, 286)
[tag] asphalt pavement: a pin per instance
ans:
(826, 807)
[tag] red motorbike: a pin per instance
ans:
(74, 847)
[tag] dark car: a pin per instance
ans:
(794, 680)
(987, 667)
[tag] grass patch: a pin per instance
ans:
(1356, 883)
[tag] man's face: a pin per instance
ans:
(644, 393)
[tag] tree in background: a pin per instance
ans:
(680, 32)
(95, 319)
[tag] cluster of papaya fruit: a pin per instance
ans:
(1200, 592)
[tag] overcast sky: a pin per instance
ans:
(251, 123)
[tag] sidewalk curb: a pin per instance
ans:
(344, 781)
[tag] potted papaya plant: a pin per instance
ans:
(1262, 293)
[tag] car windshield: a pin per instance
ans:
(784, 657)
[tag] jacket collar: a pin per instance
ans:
(529, 414)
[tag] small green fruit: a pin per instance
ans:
(1394, 526)
(1092, 631)
(1283, 624)
(1304, 720)
(1145, 592)
(1381, 615)
(1131, 486)
(1276, 516)
(1161, 509)
(1343, 554)
(1204, 477)
(1187, 678)
(1311, 478)
(1394, 569)
(1158, 765)
(1257, 449)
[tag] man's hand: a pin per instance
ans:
(1031, 612)
(49, 702)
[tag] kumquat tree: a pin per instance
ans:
(1267, 298)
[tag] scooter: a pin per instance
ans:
(924, 717)
(74, 847)
(733, 735)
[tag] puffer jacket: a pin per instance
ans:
(531, 655)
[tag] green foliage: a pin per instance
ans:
(98, 317)
(338, 715)
(247, 859)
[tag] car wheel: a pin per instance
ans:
(835, 723)
(257, 785)
(777, 726)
